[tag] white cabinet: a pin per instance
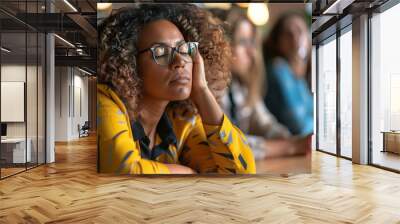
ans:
(16, 147)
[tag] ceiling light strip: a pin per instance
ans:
(5, 49)
(70, 5)
(86, 72)
(64, 40)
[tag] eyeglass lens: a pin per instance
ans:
(164, 55)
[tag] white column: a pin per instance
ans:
(360, 90)
(50, 92)
(50, 100)
(314, 93)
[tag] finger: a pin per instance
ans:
(198, 58)
(198, 64)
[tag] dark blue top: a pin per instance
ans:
(288, 98)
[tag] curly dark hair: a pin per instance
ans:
(118, 36)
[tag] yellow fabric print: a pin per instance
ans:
(181, 139)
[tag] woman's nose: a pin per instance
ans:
(177, 60)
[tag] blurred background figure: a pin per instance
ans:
(287, 51)
(243, 100)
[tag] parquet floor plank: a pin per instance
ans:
(70, 191)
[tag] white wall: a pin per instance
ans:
(13, 73)
(80, 110)
(61, 103)
(71, 93)
(16, 73)
(33, 126)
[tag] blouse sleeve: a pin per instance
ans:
(118, 152)
(263, 123)
(228, 150)
(196, 152)
(294, 109)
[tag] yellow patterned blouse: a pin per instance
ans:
(181, 139)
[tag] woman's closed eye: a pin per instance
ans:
(183, 48)
(160, 51)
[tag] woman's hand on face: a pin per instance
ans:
(199, 82)
(208, 107)
(179, 169)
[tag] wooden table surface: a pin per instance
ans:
(285, 165)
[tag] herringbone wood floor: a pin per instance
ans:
(70, 191)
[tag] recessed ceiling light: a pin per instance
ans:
(258, 13)
(103, 6)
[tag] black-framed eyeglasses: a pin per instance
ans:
(164, 54)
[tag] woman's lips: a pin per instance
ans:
(181, 79)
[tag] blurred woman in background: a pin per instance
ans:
(287, 50)
(243, 100)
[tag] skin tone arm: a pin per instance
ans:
(208, 107)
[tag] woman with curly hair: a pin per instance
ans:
(158, 110)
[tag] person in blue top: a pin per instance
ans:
(286, 52)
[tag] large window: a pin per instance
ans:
(385, 89)
(334, 76)
(346, 92)
(329, 112)
(22, 88)
(327, 96)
